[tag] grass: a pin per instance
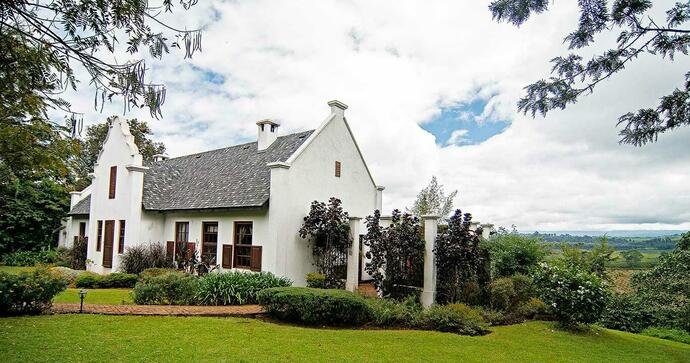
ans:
(16, 269)
(85, 338)
(96, 296)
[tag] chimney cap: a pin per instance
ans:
(338, 104)
(160, 157)
(267, 121)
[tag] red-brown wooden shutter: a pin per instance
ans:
(337, 169)
(170, 250)
(113, 180)
(227, 256)
(191, 246)
(256, 258)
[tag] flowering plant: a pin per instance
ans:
(573, 295)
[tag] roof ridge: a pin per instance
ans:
(228, 147)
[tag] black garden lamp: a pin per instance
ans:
(82, 295)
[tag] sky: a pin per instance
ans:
(432, 89)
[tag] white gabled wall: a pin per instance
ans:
(310, 175)
(118, 150)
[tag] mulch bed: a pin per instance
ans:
(246, 311)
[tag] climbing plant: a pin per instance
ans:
(462, 263)
(328, 231)
(396, 254)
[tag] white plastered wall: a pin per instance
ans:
(310, 175)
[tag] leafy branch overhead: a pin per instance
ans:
(638, 33)
(65, 33)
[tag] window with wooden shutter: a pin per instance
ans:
(181, 231)
(256, 259)
(121, 238)
(227, 256)
(99, 235)
(242, 256)
(337, 169)
(113, 181)
(170, 250)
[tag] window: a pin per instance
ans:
(99, 235)
(182, 232)
(121, 240)
(209, 241)
(113, 180)
(337, 169)
(243, 244)
(82, 229)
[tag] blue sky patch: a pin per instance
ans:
(209, 75)
(460, 125)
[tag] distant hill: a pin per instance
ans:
(620, 233)
(636, 240)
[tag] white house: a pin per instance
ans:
(242, 204)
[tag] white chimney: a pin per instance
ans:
(268, 132)
(337, 107)
(160, 157)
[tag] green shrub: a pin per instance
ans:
(88, 280)
(512, 253)
(30, 258)
(141, 257)
(315, 306)
(236, 288)
(509, 293)
(627, 313)
(494, 317)
(66, 273)
(389, 312)
(316, 280)
(29, 292)
(76, 256)
(676, 335)
(168, 289)
(532, 308)
(502, 293)
(117, 280)
(455, 318)
(158, 271)
(665, 289)
(574, 296)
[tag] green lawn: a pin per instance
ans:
(96, 296)
(16, 269)
(81, 338)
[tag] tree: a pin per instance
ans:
(512, 253)
(638, 33)
(632, 257)
(594, 260)
(433, 200)
(396, 254)
(56, 35)
(327, 226)
(93, 142)
(463, 266)
(35, 164)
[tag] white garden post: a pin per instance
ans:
(353, 255)
(430, 230)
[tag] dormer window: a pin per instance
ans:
(113, 181)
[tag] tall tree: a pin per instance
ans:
(57, 35)
(93, 142)
(638, 33)
(433, 200)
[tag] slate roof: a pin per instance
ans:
(232, 177)
(82, 207)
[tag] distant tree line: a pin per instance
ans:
(619, 243)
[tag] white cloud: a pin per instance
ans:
(458, 137)
(397, 64)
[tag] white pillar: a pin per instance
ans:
(379, 197)
(353, 255)
(430, 230)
